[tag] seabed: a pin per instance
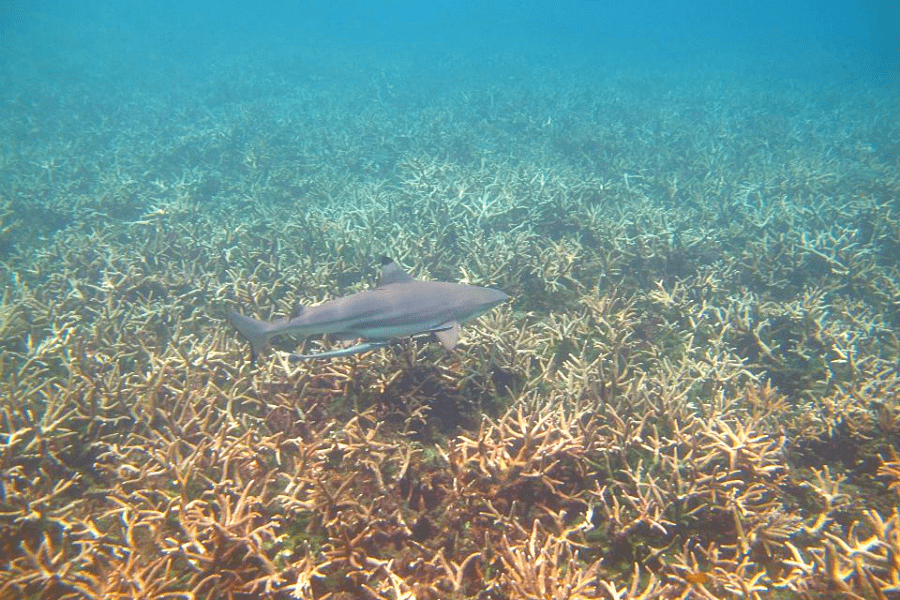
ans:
(692, 394)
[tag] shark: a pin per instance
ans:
(400, 306)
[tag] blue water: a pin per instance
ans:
(85, 86)
(161, 42)
(686, 202)
(92, 82)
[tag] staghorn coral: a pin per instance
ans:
(694, 394)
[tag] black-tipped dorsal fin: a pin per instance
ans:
(391, 272)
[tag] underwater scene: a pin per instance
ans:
(243, 358)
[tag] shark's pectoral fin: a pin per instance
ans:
(448, 334)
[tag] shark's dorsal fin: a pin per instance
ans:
(391, 272)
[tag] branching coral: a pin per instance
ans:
(693, 394)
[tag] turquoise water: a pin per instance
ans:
(692, 390)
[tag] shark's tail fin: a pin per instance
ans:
(256, 332)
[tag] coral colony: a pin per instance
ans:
(692, 392)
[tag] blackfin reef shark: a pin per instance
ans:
(399, 307)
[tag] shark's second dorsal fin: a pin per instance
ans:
(391, 272)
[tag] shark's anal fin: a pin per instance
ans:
(448, 334)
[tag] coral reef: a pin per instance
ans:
(692, 395)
